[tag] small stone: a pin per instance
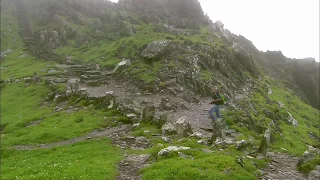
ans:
(109, 93)
(207, 151)
(197, 135)
(241, 144)
(136, 125)
(165, 139)
(201, 142)
(182, 155)
(230, 131)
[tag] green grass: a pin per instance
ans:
(22, 67)
(94, 159)
(296, 139)
(310, 165)
(203, 166)
(20, 106)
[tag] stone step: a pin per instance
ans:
(93, 72)
(91, 77)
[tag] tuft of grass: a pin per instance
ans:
(310, 165)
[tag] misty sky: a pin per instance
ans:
(291, 26)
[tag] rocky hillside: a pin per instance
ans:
(131, 81)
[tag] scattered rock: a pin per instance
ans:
(183, 127)
(226, 141)
(125, 62)
(208, 151)
(197, 135)
(109, 93)
(130, 166)
(314, 174)
(23, 56)
(267, 135)
(136, 125)
(6, 52)
(52, 71)
(241, 144)
(182, 155)
(165, 139)
(309, 155)
(292, 121)
(168, 129)
(202, 142)
(169, 149)
(269, 90)
(230, 131)
(131, 115)
(239, 160)
(281, 105)
(60, 80)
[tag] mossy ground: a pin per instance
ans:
(86, 160)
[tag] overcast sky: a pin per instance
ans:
(291, 26)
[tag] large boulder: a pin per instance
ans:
(168, 129)
(123, 63)
(183, 127)
(169, 149)
(155, 49)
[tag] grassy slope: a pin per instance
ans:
(21, 67)
(94, 159)
(21, 105)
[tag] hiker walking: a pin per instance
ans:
(218, 125)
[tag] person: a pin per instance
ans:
(217, 102)
(218, 125)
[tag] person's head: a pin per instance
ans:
(215, 89)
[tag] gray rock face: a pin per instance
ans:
(168, 128)
(155, 49)
(314, 174)
(6, 52)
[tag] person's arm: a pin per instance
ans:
(216, 100)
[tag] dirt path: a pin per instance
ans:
(282, 167)
(95, 134)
